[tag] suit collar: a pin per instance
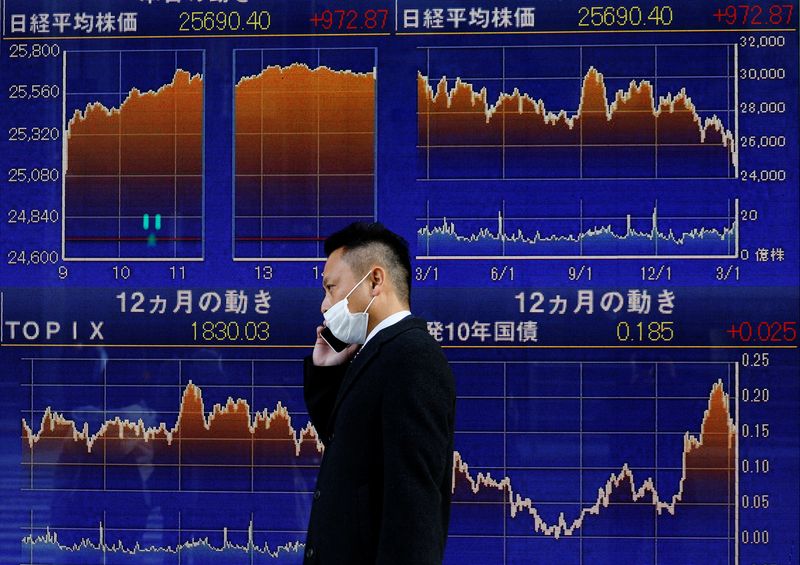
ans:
(388, 321)
(370, 349)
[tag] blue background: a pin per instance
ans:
(561, 472)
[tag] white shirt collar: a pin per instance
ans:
(388, 321)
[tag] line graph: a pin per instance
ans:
(708, 460)
(227, 435)
(589, 233)
(542, 461)
(304, 148)
(133, 151)
(109, 544)
(183, 441)
(577, 112)
(553, 427)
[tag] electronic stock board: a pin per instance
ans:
(601, 203)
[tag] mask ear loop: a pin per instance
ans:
(356, 286)
(370, 304)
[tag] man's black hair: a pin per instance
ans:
(384, 244)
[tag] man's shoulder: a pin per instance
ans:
(412, 343)
(413, 363)
(409, 329)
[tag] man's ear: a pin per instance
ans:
(378, 280)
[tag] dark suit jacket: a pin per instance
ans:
(384, 484)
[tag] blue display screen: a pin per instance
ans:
(601, 204)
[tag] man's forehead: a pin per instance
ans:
(334, 266)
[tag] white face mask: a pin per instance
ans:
(346, 326)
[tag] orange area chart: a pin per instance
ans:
(129, 164)
(627, 133)
(228, 435)
(232, 437)
(305, 154)
(706, 485)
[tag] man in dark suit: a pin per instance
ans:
(384, 411)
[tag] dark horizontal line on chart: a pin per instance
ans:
(133, 239)
(575, 145)
(287, 238)
(138, 217)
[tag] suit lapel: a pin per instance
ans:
(364, 356)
